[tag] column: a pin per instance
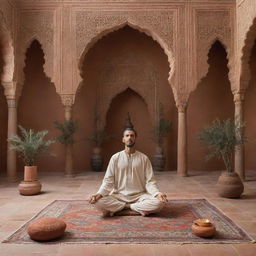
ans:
(182, 141)
(239, 152)
(12, 130)
(67, 101)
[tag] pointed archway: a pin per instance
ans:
(249, 113)
(132, 102)
(123, 58)
(39, 105)
(212, 99)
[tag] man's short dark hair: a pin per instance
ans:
(130, 129)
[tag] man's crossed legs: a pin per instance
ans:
(109, 205)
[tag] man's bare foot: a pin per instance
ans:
(127, 212)
(106, 213)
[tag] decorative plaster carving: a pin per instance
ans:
(123, 72)
(67, 99)
(7, 10)
(11, 103)
(6, 50)
(92, 25)
(212, 25)
(182, 102)
(246, 54)
(36, 25)
(9, 89)
(239, 96)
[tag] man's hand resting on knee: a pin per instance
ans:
(95, 198)
(162, 197)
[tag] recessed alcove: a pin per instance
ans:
(121, 59)
(212, 99)
(3, 121)
(39, 105)
(132, 102)
(249, 114)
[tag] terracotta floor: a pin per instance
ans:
(16, 209)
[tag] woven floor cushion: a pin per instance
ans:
(46, 229)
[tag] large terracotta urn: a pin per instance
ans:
(30, 185)
(96, 160)
(229, 185)
(158, 160)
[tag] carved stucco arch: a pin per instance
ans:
(22, 62)
(110, 97)
(144, 30)
(204, 65)
(143, 93)
(7, 51)
(22, 57)
(118, 93)
(249, 41)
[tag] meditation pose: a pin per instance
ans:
(129, 182)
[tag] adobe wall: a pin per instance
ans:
(183, 30)
(250, 121)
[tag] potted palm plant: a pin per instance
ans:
(160, 131)
(30, 145)
(67, 129)
(97, 138)
(223, 137)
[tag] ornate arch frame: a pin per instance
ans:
(108, 98)
(246, 54)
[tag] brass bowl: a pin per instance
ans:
(203, 222)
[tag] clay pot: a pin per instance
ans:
(158, 160)
(28, 188)
(96, 160)
(202, 231)
(229, 185)
(30, 173)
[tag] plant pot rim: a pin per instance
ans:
(226, 173)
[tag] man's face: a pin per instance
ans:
(129, 138)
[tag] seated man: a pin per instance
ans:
(129, 182)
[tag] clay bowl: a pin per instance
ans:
(203, 222)
(203, 228)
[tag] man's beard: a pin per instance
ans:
(130, 145)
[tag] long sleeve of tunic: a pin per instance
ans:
(128, 177)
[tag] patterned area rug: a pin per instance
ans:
(172, 225)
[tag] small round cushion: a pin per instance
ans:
(46, 229)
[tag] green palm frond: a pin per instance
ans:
(161, 128)
(98, 137)
(222, 138)
(30, 144)
(67, 128)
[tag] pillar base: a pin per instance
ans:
(182, 174)
(69, 175)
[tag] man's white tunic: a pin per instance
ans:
(129, 177)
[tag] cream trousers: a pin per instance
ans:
(144, 205)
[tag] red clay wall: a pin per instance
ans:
(39, 106)
(212, 99)
(250, 106)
